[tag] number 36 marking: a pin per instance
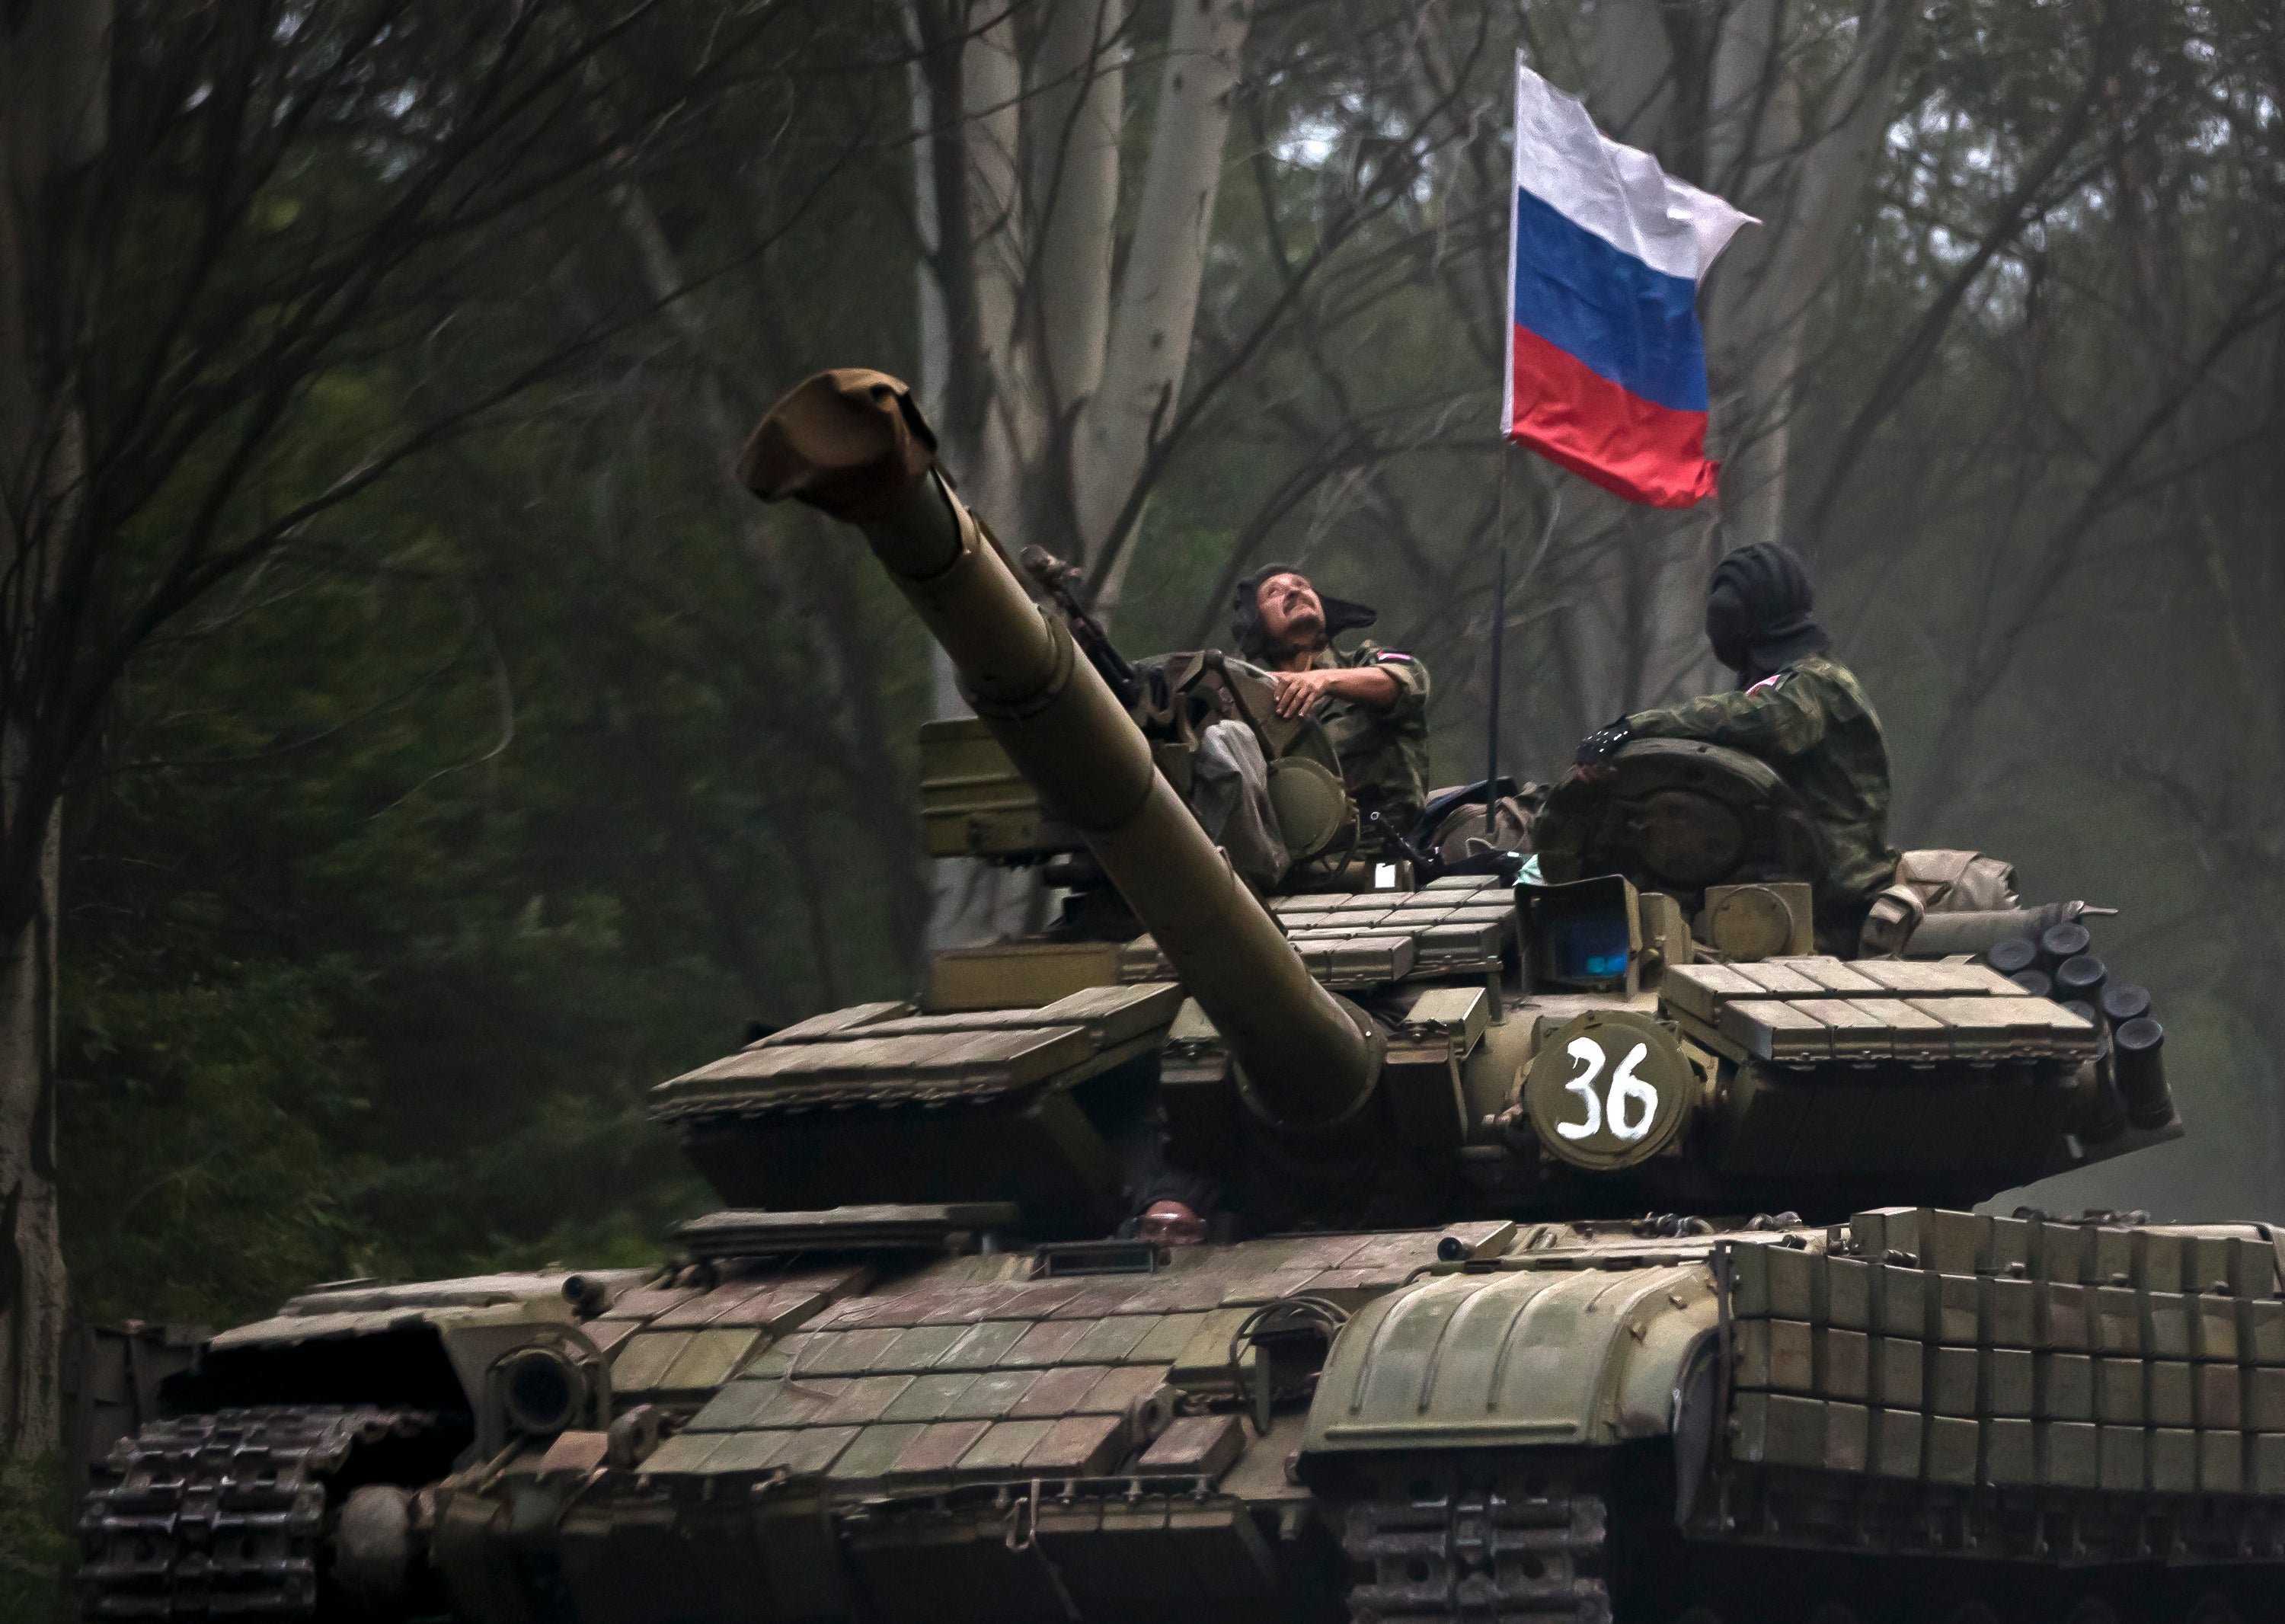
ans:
(1629, 1095)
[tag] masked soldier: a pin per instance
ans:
(1373, 703)
(1804, 713)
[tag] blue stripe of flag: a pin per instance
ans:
(1634, 325)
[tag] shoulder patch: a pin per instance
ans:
(1391, 657)
(1769, 682)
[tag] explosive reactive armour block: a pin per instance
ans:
(2173, 1461)
(1952, 1449)
(1896, 1440)
(2221, 1463)
(2010, 1310)
(1843, 1364)
(1955, 1242)
(2064, 1319)
(2158, 1261)
(2010, 1383)
(2266, 1454)
(2219, 1392)
(1955, 1309)
(1776, 1281)
(2010, 1452)
(2213, 1329)
(2117, 1325)
(2118, 1392)
(1776, 1354)
(1951, 1381)
(1886, 1229)
(2165, 1324)
(1847, 1293)
(1848, 1438)
(1898, 1372)
(2264, 1400)
(2123, 1453)
(2171, 1403)
(2060, 1252)
(2068, 1455)
(1900, 1301)
(1777, 1430)
(2063, 1387)
(2261, 1331)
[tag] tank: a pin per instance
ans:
(1579, 1249)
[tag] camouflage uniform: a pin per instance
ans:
(1813, 723)
(1383, 753)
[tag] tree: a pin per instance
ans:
(210, 212)
(54, 123)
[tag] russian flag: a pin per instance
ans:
(1608, 372)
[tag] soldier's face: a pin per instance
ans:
(1290, 611)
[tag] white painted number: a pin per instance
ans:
(1627, 1087)
(1589, 1052)
(1633, 1103)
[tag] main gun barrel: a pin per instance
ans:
(853, 445)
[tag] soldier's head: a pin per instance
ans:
(1278, 611)
(1757, 611)
(1292, 615)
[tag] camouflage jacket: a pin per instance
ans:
(1814, 725)
(1384, 753)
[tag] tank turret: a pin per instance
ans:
(1649, 1027)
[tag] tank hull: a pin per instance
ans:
(1540, 1421)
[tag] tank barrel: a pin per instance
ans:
(852, 445)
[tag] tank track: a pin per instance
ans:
(222, 1514)
(1472, 1554)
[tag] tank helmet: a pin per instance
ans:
(1245, 627)
(1757, 610)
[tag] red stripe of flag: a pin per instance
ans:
(1573, 415)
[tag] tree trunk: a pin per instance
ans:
(32, 1281)
(1149, 344)
(1082, 102)
(1048, 391)
(967, 115)
(54, 61)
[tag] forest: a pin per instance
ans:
(413, 745)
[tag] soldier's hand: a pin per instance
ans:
(1299, 691)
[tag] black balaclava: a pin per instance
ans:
(1757, 611)
(1245, 628)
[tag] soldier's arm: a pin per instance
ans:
(1383, 682)
(1781, 716)
(1410, 704)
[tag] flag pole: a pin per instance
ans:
(1499, 640)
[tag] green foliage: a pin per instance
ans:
(198, 1117)
(34, 1550)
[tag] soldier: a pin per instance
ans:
(1804, 713)
(1373, 703)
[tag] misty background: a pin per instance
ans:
(415, 746)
